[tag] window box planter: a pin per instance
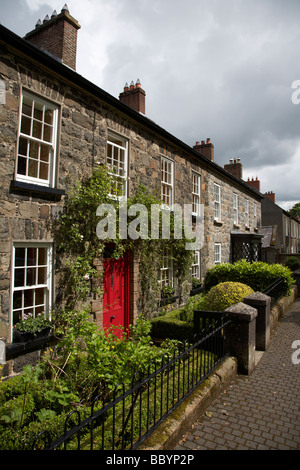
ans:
(196, 290)
(168, 300)
(24, 336)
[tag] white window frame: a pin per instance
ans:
(217, 202)
(33, 286)
(235, 209)
(196, 193)
(196, 265)
(118, 168)
(255, 214)
(217, 253)
(167, 182)
(246, 212)
(167, 269)
(29, 141)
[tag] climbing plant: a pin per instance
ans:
(78, 243)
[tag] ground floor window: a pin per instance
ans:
(166, 270)
(32, 280)
(217, 253)
(196, 265)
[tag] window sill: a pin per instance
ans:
(36, 190)
(14, 350)
(218, 222)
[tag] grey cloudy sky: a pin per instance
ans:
(222, 69)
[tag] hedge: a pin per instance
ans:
(258, 275)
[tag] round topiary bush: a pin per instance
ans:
(226, 294)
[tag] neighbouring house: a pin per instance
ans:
(281, 230)
(55, 126)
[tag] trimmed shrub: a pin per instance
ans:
(292, 263)
(226, 294)
(171, 326)
(257, 275)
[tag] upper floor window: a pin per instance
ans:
(246, 212)
(37, 141)
(32, 280)
(217, 202)
(196, 193)
(117, 161)
(167, 181)
(235, 209)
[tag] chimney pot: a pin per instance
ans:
(65, 8)
(235, 168)
(206, 149)
(38, 23)
(134, 96)
(63, 28)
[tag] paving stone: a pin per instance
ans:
(260, 411)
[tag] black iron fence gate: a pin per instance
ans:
(132, 415)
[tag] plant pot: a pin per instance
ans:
(25, 337)
(22, 336)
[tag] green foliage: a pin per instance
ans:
(78, 244)
(257, 275)
(87, 362)
(295, 210)
(224, 295)
(292, 263)
(170, 325)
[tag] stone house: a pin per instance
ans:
(288, 227)
(281, 230)
(55, 127)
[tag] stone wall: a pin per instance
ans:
(84, 124)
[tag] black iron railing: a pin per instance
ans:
(132, 415)
(275, 290)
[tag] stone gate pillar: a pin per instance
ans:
(262, 304)
(242, 335)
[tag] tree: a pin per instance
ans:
(295, 211)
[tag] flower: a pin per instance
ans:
(31, 324)
(86, 277)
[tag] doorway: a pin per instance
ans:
(116, 292)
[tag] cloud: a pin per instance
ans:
(210, 68)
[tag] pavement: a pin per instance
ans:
(260, 411)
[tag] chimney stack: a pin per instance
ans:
(205, 148)
(254, 183)
(270, 195)
(235, 168)
(134, 96)
(57, 35)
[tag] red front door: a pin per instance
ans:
(115, 294)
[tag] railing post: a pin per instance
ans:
(262, 304)
(242, 335)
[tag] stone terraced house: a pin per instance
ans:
(55, 126)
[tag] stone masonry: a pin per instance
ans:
(85, 120)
